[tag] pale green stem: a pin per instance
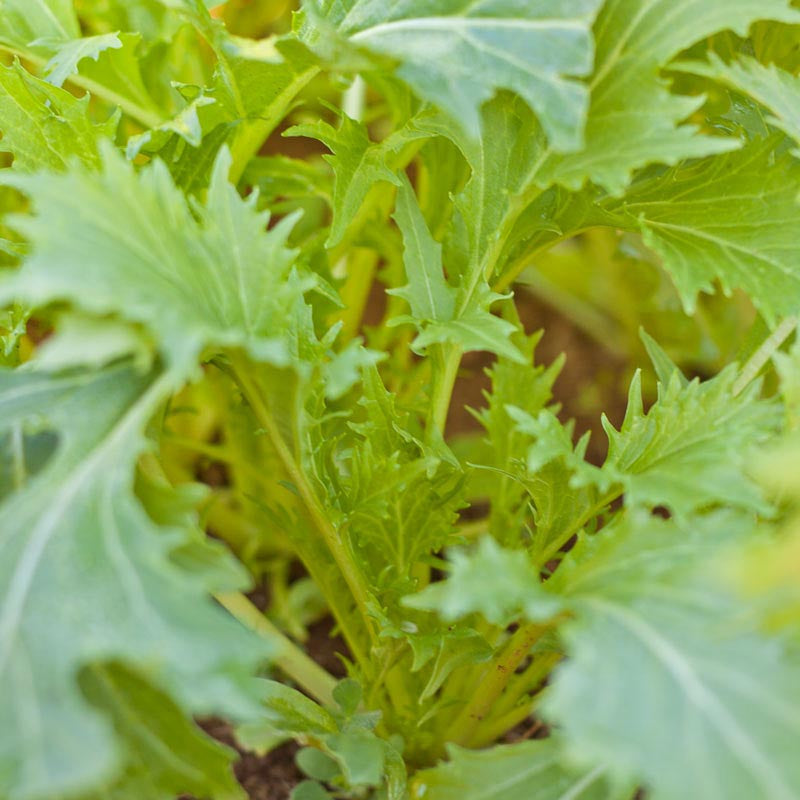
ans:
(494, 679)
(332, 538)
(147, 117)
(446, 361)
(764, 353)
(253, 133)
(287, 656)
(493, 729)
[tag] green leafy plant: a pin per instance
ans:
(248, 256)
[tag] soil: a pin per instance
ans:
(268, 777)
(592, 377)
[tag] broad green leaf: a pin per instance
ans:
(194, 276)
(727, 218)
(165, 754)
(534, 770)
(633, 118)
(650, 641)
(88, 576)
(500, 584)
(24, 21)
(457, 54)
(693, 447)
(93, 343)
(45, 127)
(771, 87)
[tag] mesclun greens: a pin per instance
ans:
(192, 401)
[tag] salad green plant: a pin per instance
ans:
(249, 252)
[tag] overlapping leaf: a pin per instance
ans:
(651, 642)
(441, 312)
(770, 86)
(524, 771)
(457, 54)
(87, 575)
(210, 274)
(44, 127)
(729, 219)
(633, 118)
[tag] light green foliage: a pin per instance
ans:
(744, 242)
(774, 88)
(686, 657)
(691, 450)
(164, 752)
(151, 249)
(357, 164)
(633, 118)
(257, 258)
(523, 771)
(457, 54)
(500, 584)
(65, 62)
(44, 127)
(443, 313)
(75, 530)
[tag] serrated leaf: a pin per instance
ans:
(770, 86)
(441, 312)
(500, 584)
(358, 164)
(458, 54)
(726, 218)
(692, 448)
(679, 650)
(69, 54)
(75, 530)
(45, 127)
(194, 276)
(428, 293)
(633, 118)
(534, 770)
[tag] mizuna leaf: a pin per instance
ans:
(441, 312)
(728, 218)
(358, 164)
(500, 584)
(534, 770)
(650, 641)
(44, 127)
(24, 21)
(428, 293)
(771, 87)
(76, 531)
(165, 754)
(457, 54)
(69, 55)
(505, 162)
(692, 448)
(633, 118)
(211, 274)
